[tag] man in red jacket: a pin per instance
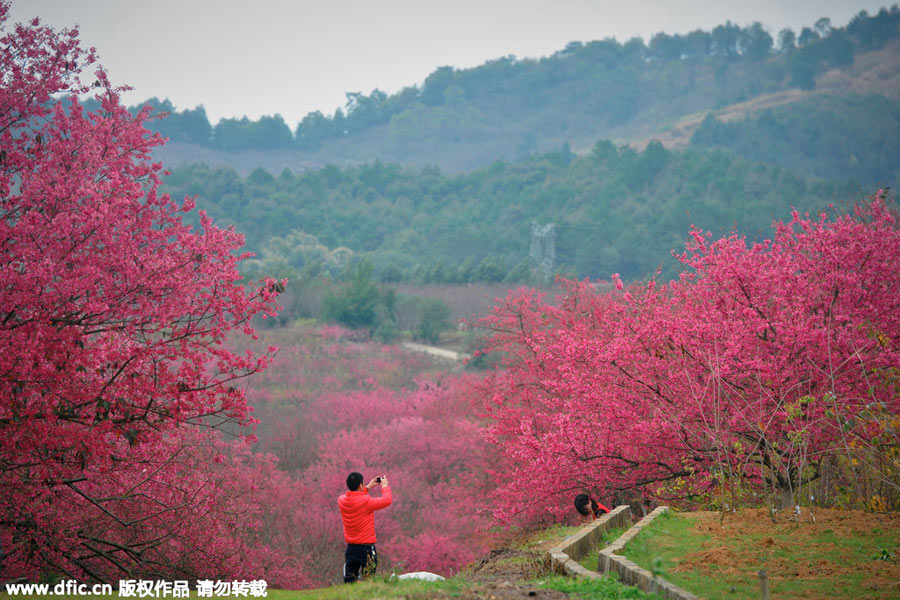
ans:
(357, 513)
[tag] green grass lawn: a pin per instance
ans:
(834, 557)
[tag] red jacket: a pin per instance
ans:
(357, 513)
(600, 510)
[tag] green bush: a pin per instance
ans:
(435, 318)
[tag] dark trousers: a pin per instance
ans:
(359, 557)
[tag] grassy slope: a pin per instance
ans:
(840, 555)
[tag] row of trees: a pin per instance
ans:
(301, 257)
(192, 126)
(767, 372)
(615, 68)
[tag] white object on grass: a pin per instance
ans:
(421, 575)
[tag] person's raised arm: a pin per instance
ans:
(386, 498)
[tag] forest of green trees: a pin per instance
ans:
(614, 209)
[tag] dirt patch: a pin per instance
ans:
(679, 136)
(748, 540)
(507, 565)
(812, 522)
(871, 73)
(500, 575)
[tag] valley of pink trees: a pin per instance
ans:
(328, 405)
(148, 431)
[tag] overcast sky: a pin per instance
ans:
(262, 57)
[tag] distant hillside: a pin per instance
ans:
(613, 210)
(828, 136)
(872, 73)
(508, 108)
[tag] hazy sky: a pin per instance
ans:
(262, 57)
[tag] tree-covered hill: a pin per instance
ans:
(445, 182)
(462, 119)
(861, 139)
(614, 210)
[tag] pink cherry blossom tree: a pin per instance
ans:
(763, 364)
(114, 316)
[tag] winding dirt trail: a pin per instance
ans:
(435, 351)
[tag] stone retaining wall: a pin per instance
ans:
(564, 557)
